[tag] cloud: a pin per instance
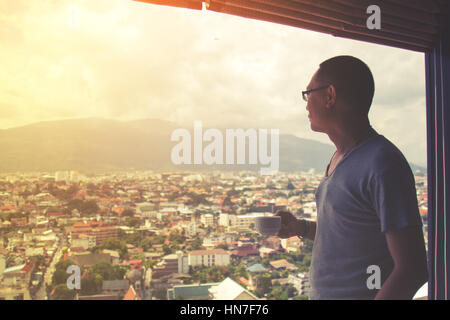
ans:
(130, 60)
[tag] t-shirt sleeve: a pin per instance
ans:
(394, 198)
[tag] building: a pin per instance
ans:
(132, 264)
(35, 251)
(265, 252)
(272, 242)
(208, 258)
(300, 283)
(190, 292)
(310, 210)
(100, 230)
(224, 220)
(245, 250)
(283, 264)
(97, 297)
(256, 268)
(38, 220)
(3, 255)
(291, 244)
(17, 275)
(146, 210)
(136, 279)
(19, 222)
(170, 264)
(131, 294)
(218, 238)
(186, 213)
(115, 256)
(14, 293)
(207, 220)
(191, 228)
(74, 176)
(89, 259)
(228, 289)
(84, 241)
(115, 287)
(61, 176)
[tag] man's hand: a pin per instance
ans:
(290, 226)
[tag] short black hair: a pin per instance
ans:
(352, 79)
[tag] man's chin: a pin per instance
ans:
(315, 128)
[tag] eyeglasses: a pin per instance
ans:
(305, 94)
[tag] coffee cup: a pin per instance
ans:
(268, 225)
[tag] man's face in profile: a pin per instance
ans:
(316, 105)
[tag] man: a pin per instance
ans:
(367, 211)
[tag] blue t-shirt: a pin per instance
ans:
(372, 190)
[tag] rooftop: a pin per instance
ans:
(15, 268)
(206, 252)
(257, 267)
(190, 292)
(131, 294)
(228, 289)
(115, 284)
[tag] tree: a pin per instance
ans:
(301, 297)
(89, 207)
(11, 215)
(63, 194)
(177, 236)
(266, 282)
(61, 292)
(133, 222)
(210, 274)
(196, 244)
(146, 244)
(60, 275)
(307, 260)
(128, 213)
(160, 294)
(222, 246)
(85, 207)
(107, 271)
(291, 291)
(167, 250)
(227, 202)
(150, 264)
(284, 274)
(158, 239)
(240, 271)
(174, 246)
(91, 284)
(113, 244)
(277, 292)
(275, 275)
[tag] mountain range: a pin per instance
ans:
(99, 145)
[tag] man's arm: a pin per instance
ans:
(312, 229)
(407, 248)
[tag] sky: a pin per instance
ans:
(126, 60)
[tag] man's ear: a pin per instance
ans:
(330, 96)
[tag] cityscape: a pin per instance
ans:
(147, 235)
(142, 142)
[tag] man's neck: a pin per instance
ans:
(351, 134)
